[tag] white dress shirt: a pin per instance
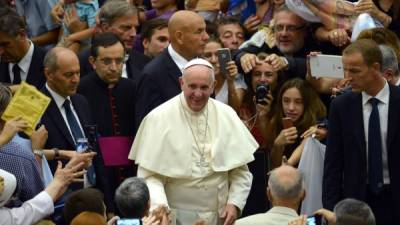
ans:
(23, 64)
(59, 102)
(383, 108)
(178, 59)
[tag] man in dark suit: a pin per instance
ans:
(362, 158)
(121, 18)
(160, 78)
(68, 113)
(20, 58)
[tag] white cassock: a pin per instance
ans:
(194, 162)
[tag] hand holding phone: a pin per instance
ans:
(316, 220)
(129, 222)
(327, 66)
(287, 123)
(224, 56)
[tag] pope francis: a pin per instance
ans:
(193, 152)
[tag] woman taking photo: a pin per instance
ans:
(230, 87)
(296, 117)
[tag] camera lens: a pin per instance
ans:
(261, 93)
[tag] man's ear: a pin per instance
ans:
(181, 82)
(145, 43)
(388, 74)
(104, 27)
(47, 73)
(269, 195)
(179, 36)
(92, 62)
(376, 66)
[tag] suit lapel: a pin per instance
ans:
(55, 115)
(4, 74)
(356, 115)
(393, 117)
(173, 71)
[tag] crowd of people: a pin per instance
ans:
(201, 112)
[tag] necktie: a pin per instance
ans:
(17, 74)
(375, 171)
(72, 122)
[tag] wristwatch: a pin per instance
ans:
(56, 153)
(38, 152)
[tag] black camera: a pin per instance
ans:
(261, 93)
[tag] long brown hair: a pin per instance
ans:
(313, 107)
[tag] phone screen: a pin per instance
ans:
(287, 122)
(128, 222)
(315, 220)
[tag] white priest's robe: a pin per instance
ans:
(194, 162)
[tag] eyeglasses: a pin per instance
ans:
(108, 61)
(289, 28)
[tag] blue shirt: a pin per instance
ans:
(16, 159)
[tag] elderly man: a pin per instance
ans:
(133, 198)
(193, 151)
(120, 18)
(285, 192)
(291, 48)
(160, 78)
(21, 60)
(68, 117)
(390, 65)
(362, 158)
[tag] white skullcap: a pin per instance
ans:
(10, 183)
(198, 61)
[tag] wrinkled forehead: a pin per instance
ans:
(288, 18)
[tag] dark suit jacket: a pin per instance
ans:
(58, 133)
(159, 82)
(36, 70)
(345, 167)
(134, 66)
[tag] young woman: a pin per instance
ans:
(230, 87)
(298, 103)
(257, 116)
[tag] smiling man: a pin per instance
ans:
(291, 48)
(195, 161)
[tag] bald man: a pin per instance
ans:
(285, 192)
(160, 78)
(68, 113)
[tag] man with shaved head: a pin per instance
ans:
(193, 152)
(285, 192)
(160, 78)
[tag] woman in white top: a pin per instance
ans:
(230, 87)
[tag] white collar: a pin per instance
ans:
(57, 98)
(382, 96)
(178, 59)
(398, 82)
(25, 62)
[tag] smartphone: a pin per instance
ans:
(316, 220)
(287, 122)
(129, 222)
(327, 66)
(224, 56)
